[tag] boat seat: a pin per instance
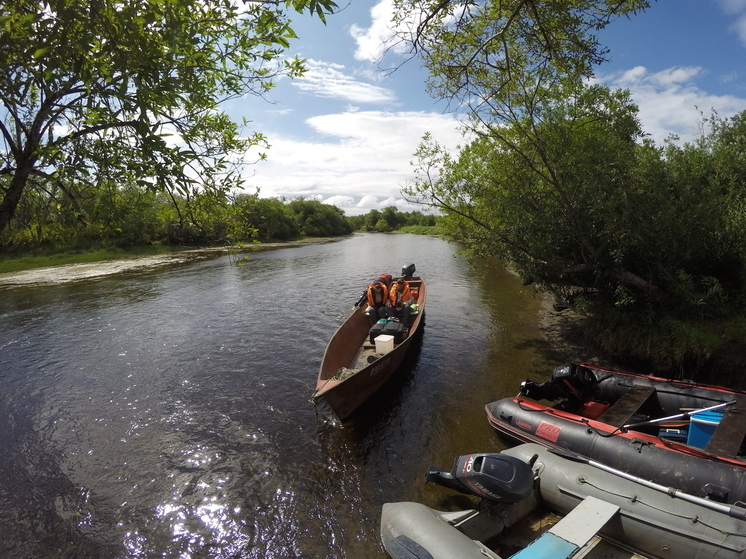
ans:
(729, 434)
(628, 405)
(573, 534)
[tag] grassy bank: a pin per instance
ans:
(422, 230)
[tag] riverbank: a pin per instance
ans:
(562, 329)
(563, 332)
(50, 275)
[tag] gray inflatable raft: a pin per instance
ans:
(603, 515)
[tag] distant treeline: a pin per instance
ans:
(127, 216)
(391, 219)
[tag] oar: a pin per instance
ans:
(679, 416)
(735, 512)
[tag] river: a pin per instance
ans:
(165, 413)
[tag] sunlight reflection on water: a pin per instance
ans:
(166, 414)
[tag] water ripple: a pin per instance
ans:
(166, 414)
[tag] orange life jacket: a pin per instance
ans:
(399, 292)
(377, 294)
(385, 278)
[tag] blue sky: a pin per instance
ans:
(345, 132)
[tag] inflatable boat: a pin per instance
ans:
(678, 433)
(536, 503)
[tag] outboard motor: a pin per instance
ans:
(407, 271)
(569, 382)
(492, 476)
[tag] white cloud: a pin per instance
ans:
(280, 112)
(368, 202)
(674, 76)
(736, 8)
(375, 41)
(325, 79)
(671, 102)
(339, 200)
(362, 166)
(733, 6)
(364, 157)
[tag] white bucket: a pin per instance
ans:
(384, 343)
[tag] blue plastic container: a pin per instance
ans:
(702, 426)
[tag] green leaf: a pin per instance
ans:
(113, 78)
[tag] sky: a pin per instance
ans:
(346, 132)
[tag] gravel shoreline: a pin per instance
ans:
(75, 272)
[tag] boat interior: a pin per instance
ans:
(641, 409)
(364, 336)
(398, 330)
(676, 411)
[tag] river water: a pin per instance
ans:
(166, 413)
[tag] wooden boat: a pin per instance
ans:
(678, 433)
(548, 505)
(353, 368)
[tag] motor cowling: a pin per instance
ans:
(407, 271)
(496, 477)
(572, 382)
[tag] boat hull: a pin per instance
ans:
(348, 395)
(650, 521)
(639, 454)
(345, 349)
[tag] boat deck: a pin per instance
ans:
(627, 406)
(520, 535)
(367, 353)
(365, 356)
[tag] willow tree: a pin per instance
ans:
(557, 198)
(500, 57)
(130, 91)
(558, 178)
(520, 70)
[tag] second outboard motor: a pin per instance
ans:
(573, 382)
(492, 476)
(407, 271)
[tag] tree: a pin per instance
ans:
(583, 207)
(390, 215)
(130, 91)
(270, 218)
(520, 68)
(319, 220)
(484, 54)
(372, 218)
(382, 226)
(548, 196)
(558, 178)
